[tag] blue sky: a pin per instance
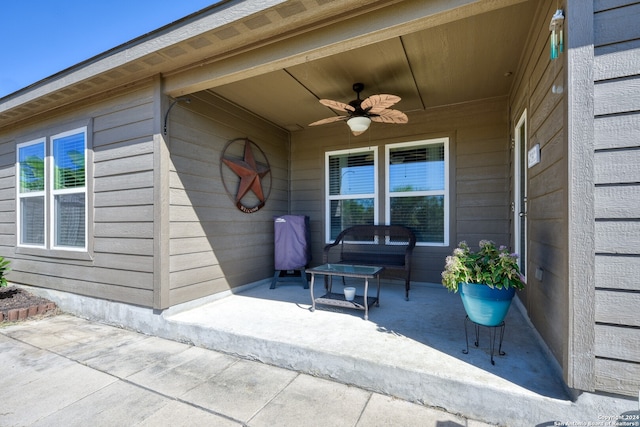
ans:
(42, 37)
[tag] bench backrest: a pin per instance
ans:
(376, 244)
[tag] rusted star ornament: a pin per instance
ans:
(250, 172)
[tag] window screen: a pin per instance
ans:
(351, 187)
(31, 193)
(69, 196)
(417, 189)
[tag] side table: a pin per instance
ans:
(346, 270)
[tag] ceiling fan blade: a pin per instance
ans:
(379, 102)
(390, 116)
(336, 105)
(328, 120)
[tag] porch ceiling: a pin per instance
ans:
(467, 59)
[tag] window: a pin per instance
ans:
(52, 194)
(352, 189)
(417, 188)
(31, 200)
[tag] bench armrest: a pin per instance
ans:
(326, 250)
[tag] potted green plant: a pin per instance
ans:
(487, 280)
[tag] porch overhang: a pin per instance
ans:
(236, 41)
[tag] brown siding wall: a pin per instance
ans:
(120, 265)
(479, 173)
(213, 245)
(616, 125)
(617, 195)
(546, 300)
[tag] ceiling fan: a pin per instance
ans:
(362, 112)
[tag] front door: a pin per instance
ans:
(520, 193)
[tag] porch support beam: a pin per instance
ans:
(579, 103)
(161, 162)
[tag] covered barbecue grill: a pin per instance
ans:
(292, 251)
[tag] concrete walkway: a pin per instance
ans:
(66, 371)
(411, 350)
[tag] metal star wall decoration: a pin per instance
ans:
(250, 172)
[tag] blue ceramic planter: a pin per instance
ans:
(484, 305)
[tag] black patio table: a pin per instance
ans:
(360, 302)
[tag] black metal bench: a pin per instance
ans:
(388, 246)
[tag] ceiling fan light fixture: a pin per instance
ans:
(361, 112)
(359, 123)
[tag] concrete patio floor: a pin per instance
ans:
(408, 349)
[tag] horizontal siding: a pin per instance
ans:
(617, 194)
(124, 213)
(617, 167)
(617, 131)
(547, 301)
(617, 96)
(479, 173)
(618, 343)
(117, 245)
(128, 181)
(481, 179)
(106, 276)
(213, 246)
(121, 243)
(619, 308)
(617, 61)
(192, 245)
(126, 293)
(617, 237)
(618, 272)
(8, 198)
(616, 22)
(617, 377)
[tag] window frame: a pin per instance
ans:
(445, 192)
(329, 198)
(23, 195)
(56, 192)
(50, 248)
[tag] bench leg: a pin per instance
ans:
(407, 286)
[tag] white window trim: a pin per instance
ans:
(21, 195)
(52, 192)
(49, 248)
(329, 198)
(445, 192)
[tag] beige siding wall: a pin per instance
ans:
(546, 300)
(119, 265)
(213, 245)
(479, 173)
(617, 195)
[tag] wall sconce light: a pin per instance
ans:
(359, 124)
(557, 37)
